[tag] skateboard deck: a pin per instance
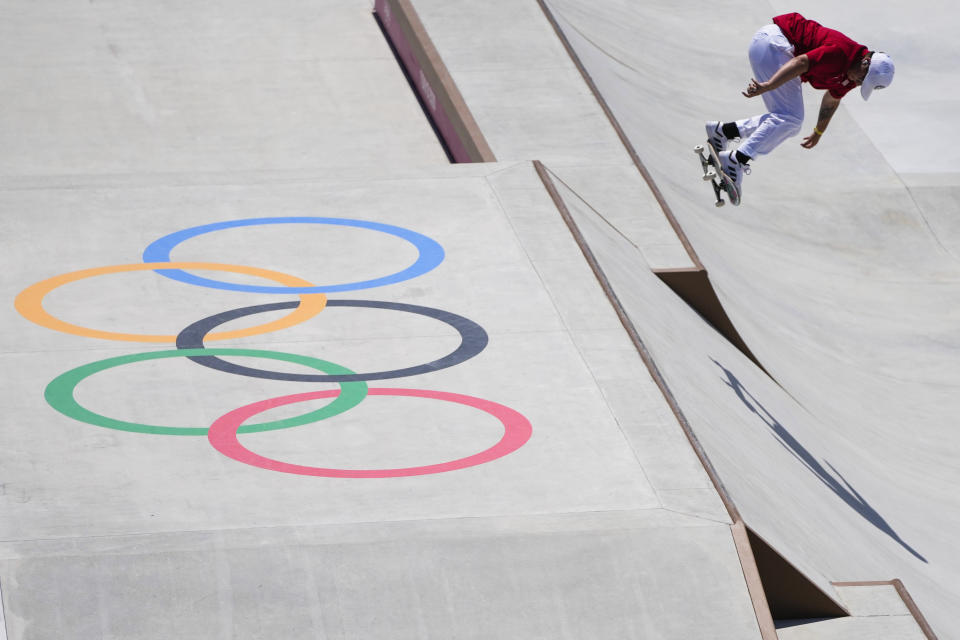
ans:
(721, 182)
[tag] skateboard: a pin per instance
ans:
(721, 182)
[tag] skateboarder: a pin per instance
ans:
(791, 50)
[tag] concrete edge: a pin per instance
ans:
(791, 595)
(3, 619)
(904, 595)
(432, 82)
(751, 572)
(692, 285)
(661, 200)
(645, 355)
(739, 530)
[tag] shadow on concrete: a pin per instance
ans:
(832, 478)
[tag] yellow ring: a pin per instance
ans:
(30, 301)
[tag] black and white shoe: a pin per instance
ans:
(715, 136)
(734, 169)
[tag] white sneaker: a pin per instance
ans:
(715, 136)
(730, 166)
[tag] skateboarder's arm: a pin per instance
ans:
(790, 70)
(828, 106)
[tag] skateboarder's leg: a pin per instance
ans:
(767, 132)
(761, 134)
(769, 51)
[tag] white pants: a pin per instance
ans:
(769, 51)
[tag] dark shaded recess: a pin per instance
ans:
(693, 287)
(790, 595)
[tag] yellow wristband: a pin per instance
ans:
(817, 131)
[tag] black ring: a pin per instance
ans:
(473, 340)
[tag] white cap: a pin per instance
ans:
(879, 76)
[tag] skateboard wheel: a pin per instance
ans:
(709, 175)
(698, 148)
(719, 203)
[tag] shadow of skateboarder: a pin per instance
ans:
(832, 478)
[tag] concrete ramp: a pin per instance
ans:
(843, 282)
(273, 368)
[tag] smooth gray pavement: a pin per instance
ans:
(877, 611)
(532, 103)
(599, 524)
(127, 123)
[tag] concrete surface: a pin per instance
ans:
(532, 103)
(853, 628)
(876, 611)
(129, 122)
(184, 87)
(843, 282)
(163, 535)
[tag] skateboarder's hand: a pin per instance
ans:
(753, 89)
(810, 141)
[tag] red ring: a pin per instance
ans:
(223, 435)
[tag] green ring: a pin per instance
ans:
(59, 393)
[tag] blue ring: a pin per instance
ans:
(430, 254)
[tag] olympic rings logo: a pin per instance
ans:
(223, 433)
